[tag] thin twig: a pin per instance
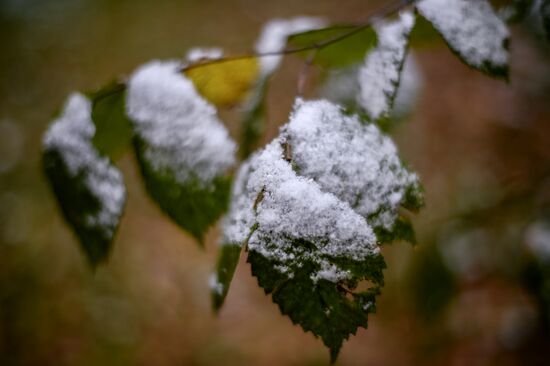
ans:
(383, 12)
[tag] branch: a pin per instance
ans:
(381, 13)
(385, 11)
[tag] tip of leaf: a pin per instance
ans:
(334, 351)
(217, 302)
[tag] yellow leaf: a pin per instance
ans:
(224, 83)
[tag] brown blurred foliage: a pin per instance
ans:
(464, 295)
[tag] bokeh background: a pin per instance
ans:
(474, 291)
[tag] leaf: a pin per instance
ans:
(473, 31)
(225, 269)
(346, 51)
(113, 130)
(423, 34)
(353, 160)
(89, 189)
(274, 36)
(183, 149)
(545, 15)
(331, 311)
(224, 82)
(402, 229)
(312, 208)
(190, 204)
(380, 74)
(272, 39)
(310, 251)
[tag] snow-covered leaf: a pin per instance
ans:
(224, 82)
(275, 35)
(228, 259)
(183, 149)
(89, 189)
(308, 208)
(473, 31)
(354, 161)
(380, 74)
(342, 86)
(273, 38)
(113, 132)
(238, 225)
(306, 242)
(345, 52)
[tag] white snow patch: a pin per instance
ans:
(236, 225)
(274, 36)
(181, 130)
(197, 54)
(71, 136)
(354, 161)
(294, 208)
(215, 285)
(286, 208)
(379, 76)
(471, 28)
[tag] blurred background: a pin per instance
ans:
(474, 291)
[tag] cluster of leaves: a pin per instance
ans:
(360, 189)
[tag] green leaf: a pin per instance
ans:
(423, 34)
(113, 129)
(346, 51)
(193, 205)
(225, 269)
(89, 189)
(308, 206)
(331, 311)
(402, 229)
(473, 31)
(380, 74)
(545, 15)
(183, 149)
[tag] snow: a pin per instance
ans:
(339, 180)
(216, 286)
(471, 28)
(181, 130)
(240, 218)
(380, 73)
(354, 161)
(71, 136)
(295, 208)
(342, 87)
(274, 36)
(197, 54)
